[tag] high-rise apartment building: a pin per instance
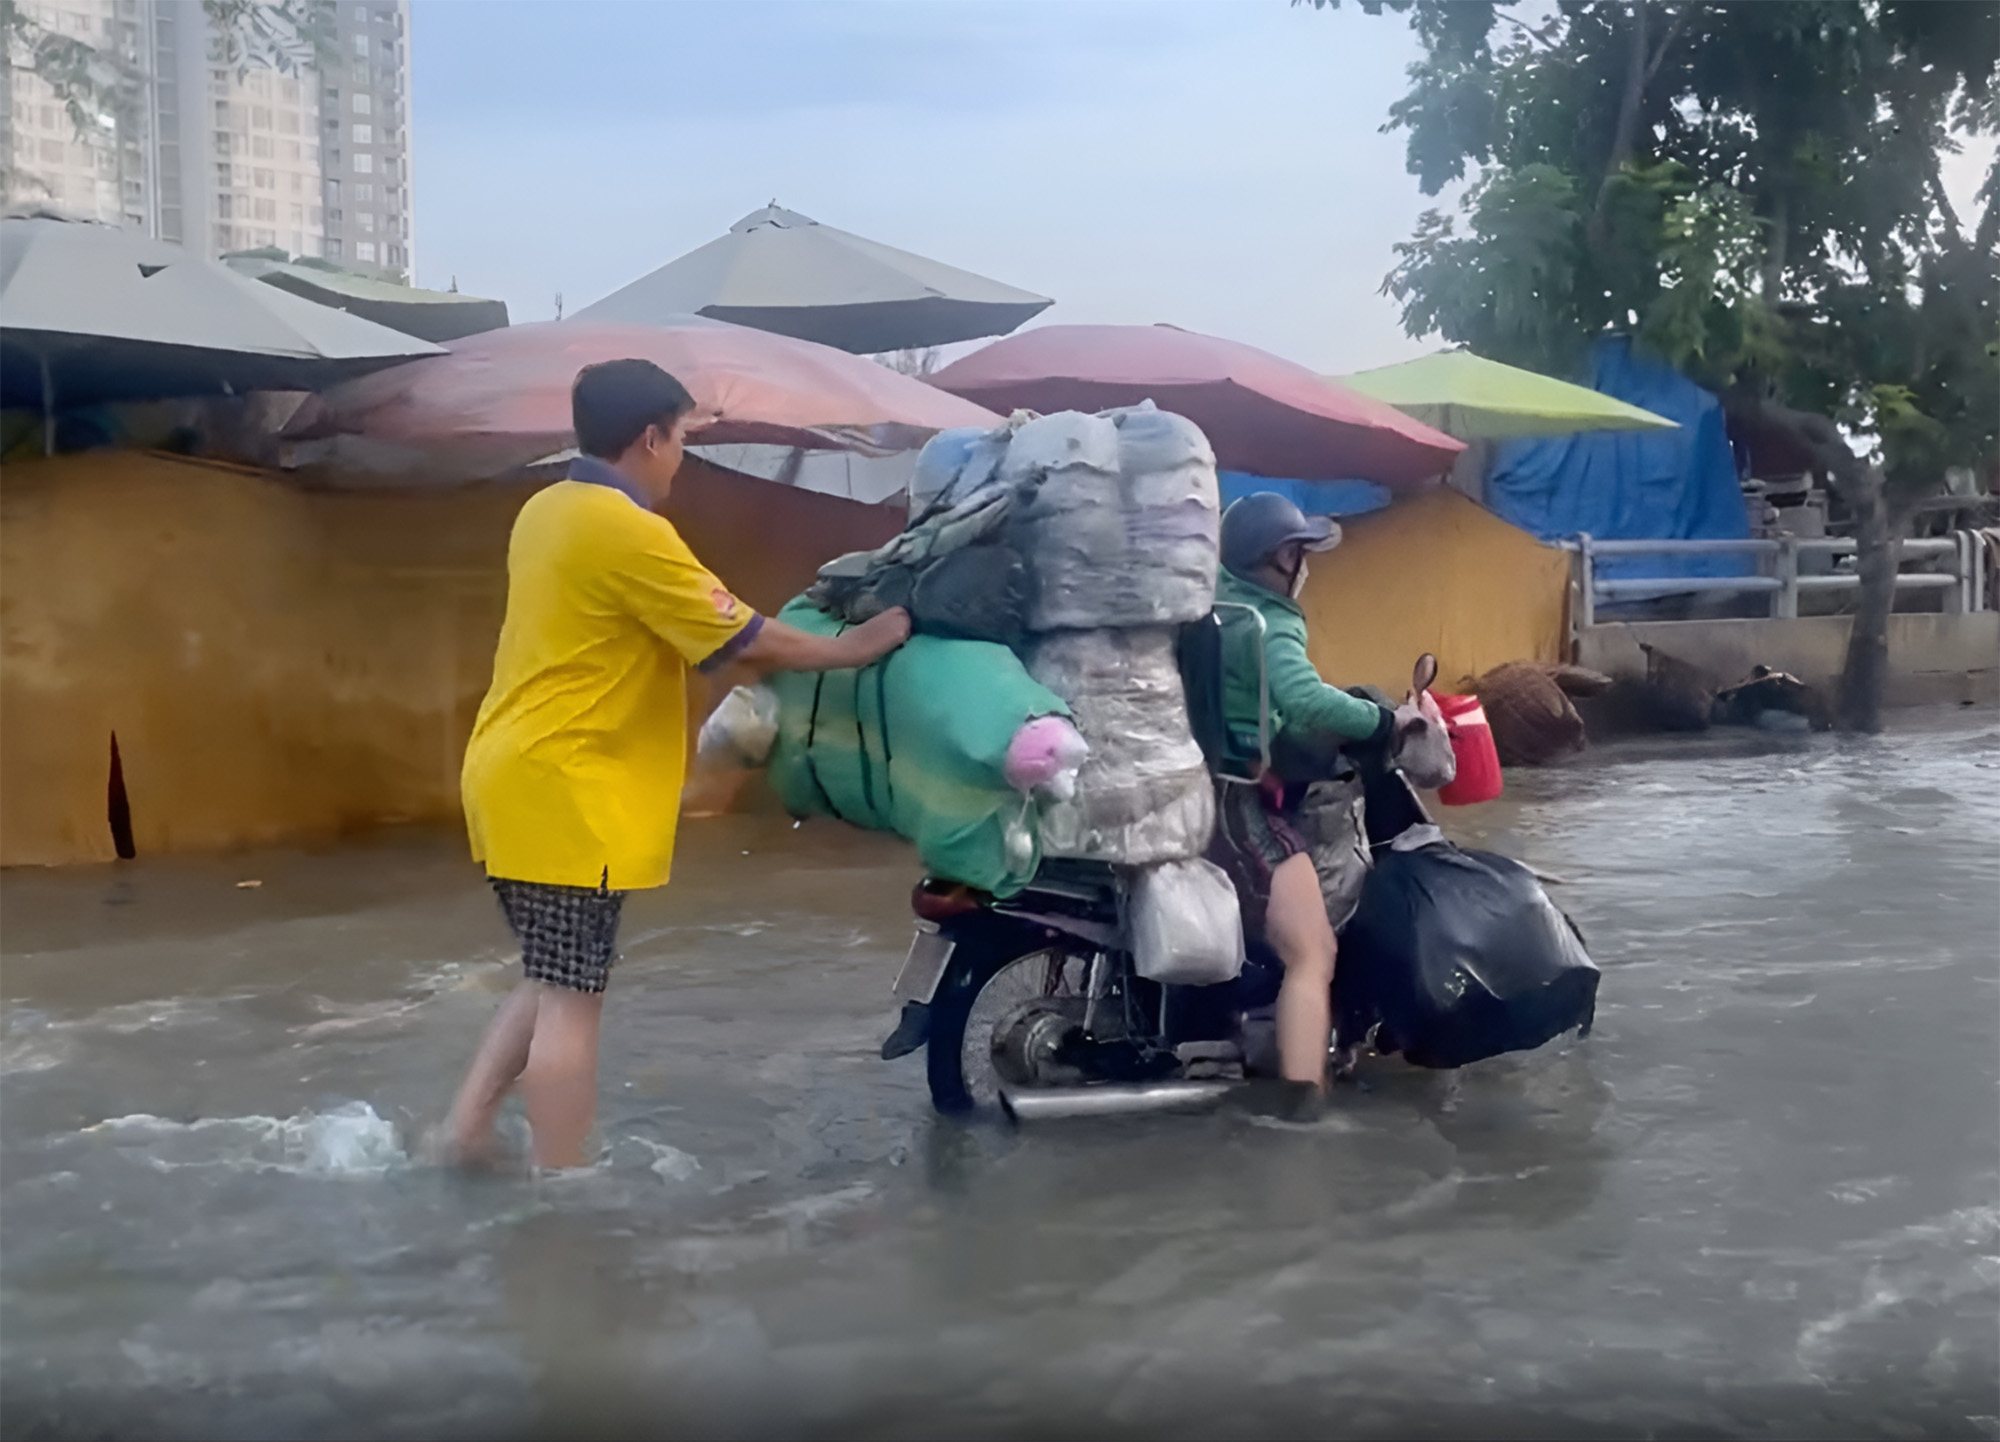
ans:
(316, 163)
(366, 137)
(102, 168)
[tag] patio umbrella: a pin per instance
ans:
(1476, 399)
(1263, 415)
(433, 315)
(498, 402)
(89, 313)
(781, 271)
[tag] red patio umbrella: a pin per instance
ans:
(498, 401)
(1263, 414)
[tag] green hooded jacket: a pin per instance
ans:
(1300, 701)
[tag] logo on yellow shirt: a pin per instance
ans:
(725, 604)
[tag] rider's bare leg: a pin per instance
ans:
(1296, 925)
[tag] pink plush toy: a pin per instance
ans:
(1045, 755)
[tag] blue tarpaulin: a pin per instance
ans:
(1315, 498)
(1632, 485)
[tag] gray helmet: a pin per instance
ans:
(1256, 525)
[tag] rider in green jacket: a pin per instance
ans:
(1265, 542)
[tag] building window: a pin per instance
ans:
(298, 215)
(333, 247)
(312, 155)
(364, 105)
(361, 46)
(367, 220)
(364, 165)
(264, 179)
(225, 238)
(225, 207)
(315, 217)
(261, 147)
(364, 194)
(260, 117)
(288, 91)
(364, 250)
(333, 192)
(298, 183)
(222, 113)
(222, 173)
(364, 134)
(267, 209)
(293, 152)
(223, 142)
(288, 122)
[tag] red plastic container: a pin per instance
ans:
(1478, 776)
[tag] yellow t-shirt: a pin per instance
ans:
(574, 772)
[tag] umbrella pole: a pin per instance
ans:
(48, 410)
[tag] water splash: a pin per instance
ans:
(349, 1140)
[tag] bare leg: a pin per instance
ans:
(559, 1083)
(502, 1054)
(1296, 926)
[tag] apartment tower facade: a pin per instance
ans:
(217, 159)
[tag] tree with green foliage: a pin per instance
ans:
(1755, 193)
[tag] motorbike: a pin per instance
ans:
(1032, 1004)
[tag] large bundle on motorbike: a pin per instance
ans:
(1083, 540)
(1116, 518)
(932, 742)
(1143, 795)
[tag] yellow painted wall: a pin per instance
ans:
(281, 664)
(1436, 572)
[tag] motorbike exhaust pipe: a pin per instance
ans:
(1035, 1104)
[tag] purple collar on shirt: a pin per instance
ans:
(594, 472)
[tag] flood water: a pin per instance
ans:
(1762, 1199)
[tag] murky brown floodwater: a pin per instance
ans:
(1763, 1199)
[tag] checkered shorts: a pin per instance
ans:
(568, 934)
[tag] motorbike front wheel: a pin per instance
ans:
(1003, 1021)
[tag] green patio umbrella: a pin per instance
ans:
(1474, 399)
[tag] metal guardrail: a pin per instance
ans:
(1964, 584)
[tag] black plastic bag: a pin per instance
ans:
(1459, 955)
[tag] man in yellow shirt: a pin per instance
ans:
(573, 775)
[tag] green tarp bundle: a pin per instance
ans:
(916, 744)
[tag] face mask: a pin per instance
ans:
(1299, 579)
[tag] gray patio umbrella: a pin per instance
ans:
(90, 313)
(781, 271)
(435, 315)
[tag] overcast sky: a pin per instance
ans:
(1216, 165)
(1211, 163)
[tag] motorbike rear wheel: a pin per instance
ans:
(999, 1020)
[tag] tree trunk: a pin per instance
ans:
(1865, 671)
(1625, 131)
